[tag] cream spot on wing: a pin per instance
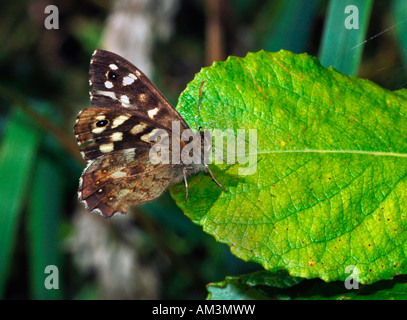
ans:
(123, 192)
(138, 128)
(108, 84)
(129, 154)
(138, 73)
(116, 214)
(96, 210)
(152, 113)
(118, 174)
(129, 79)
(98, 130)
(119, 120)
(108, 94)
(107, 147)
(142, 97)
(125, 101)
(148, 137)
(117, 136)
(113, 66)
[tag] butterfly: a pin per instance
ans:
(116, 136)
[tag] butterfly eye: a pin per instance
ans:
(102, 123)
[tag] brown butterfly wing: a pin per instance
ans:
(117, 83)
(112, 183)
(115, 137)
(102, 131)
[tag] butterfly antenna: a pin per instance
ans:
(199, 105)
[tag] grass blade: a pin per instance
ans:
(291, 25)
(400, 21)
(342, 48)
(43, 236)
(18, 150)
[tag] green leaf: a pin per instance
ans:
(395, 289)
(249, 286)
(330, 186)
(262, 285)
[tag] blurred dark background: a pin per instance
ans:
(154, 252)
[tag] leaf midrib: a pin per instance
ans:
(371, 153)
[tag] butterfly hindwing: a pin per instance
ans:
(112, 183)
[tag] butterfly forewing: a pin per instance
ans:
(116, 83)
(102, 131)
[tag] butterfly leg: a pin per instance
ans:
(184, 171)
(214, 179)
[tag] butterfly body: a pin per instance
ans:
(117, 136)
